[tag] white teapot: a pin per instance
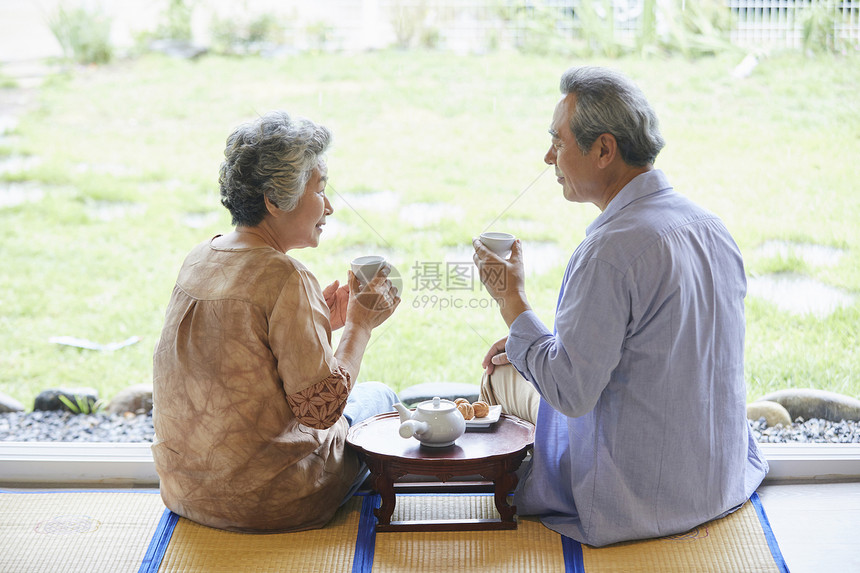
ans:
(436, 423)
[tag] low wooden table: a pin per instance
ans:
(493, 453)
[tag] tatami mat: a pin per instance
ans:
(76, 532)
(738, 542)
(194, 548)
(130, 531)
(530, 547)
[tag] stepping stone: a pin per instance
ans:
(9, 404)
(136, 399)
(14, 193)
(774, 413)
(798, 294)
(808, 403)
(447, 390)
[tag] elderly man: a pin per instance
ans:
(638, 393)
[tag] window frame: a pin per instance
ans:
(131, 464)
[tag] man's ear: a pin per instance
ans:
(607, 149)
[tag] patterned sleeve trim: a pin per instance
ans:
(320, 406)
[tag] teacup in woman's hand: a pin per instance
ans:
(365, 268)
(499, 243)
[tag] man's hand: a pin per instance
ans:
(504, 279)
(496, 356)
(337, 299)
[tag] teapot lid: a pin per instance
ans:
(436, 405)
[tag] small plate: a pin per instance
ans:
(491, 418)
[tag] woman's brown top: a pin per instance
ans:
(248, 395)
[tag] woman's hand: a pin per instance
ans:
(371, 305)
(504, 278)
(367, 308)
(337, 300)
(496, 356)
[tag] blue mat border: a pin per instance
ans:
(158, 545)
(365, 540)
(571, 551)
(768, 534)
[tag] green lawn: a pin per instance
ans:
(430, 150)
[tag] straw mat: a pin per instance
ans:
(741, 541)
(76, 531)
(132, 531)
(194, 548)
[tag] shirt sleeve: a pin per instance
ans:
(316, 386)
(321, 405)
(571, 367)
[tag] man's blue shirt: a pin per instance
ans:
(642, 428)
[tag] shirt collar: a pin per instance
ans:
(640, 186)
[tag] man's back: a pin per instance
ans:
(645, 375)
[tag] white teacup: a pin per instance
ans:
(499, 243)
(366, 267)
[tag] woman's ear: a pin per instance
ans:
(273, 209)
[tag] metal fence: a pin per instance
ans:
(486, 24)
(780, 22)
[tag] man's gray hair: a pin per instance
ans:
(272, 156)
(608, 102)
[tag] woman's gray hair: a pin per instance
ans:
(608, 102)
(272, 156)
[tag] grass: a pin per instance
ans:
(128, 154)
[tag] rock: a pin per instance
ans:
(10, 404)
(136, 399)
(49, 400)
(810, 403)
(746, 67)
(773, 413)
(447, 390)
(178, 49)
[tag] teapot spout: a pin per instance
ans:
(411, 428)
(405, 414)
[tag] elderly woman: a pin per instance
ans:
(252, 404)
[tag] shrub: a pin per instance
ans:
(407, 20)
(176, 21)
(244, 35)
(697, 28)
(7, 82)
(818, 23)
(84, 34)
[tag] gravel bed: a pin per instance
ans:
(40, 426)
(812, 431)
(52, 426)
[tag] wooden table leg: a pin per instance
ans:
(504, 476)
(505, 484)
(384, 485)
